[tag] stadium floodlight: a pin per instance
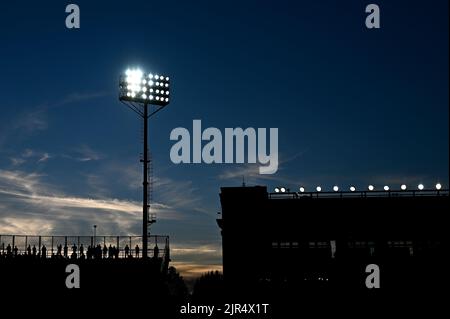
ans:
(420, 187)
(370, 187)
(386, 188)
(403, 187)
(318, 188)
(134, 84)
(352, 188)
(283, 189)
(438, 186)
(138, 91)
(301, 189)
(277, 190)
(336, 188)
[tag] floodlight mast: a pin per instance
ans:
(145, 204)
(137, 91)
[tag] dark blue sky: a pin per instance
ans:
(352, 105)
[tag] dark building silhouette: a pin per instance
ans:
(327, 239)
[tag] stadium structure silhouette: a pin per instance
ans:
(300, 241)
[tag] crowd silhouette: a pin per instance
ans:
(75, 252)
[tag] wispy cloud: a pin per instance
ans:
(30, 155)
(21, 225)
(44, 158)
(26, 195)
(86, 154)
(35, 119)
(78, 97)
(181, 195)
(27, 153)
(15, 161)
(97, 185)
(199, 249)
(83, 153)
(31, 122)
(129, 175)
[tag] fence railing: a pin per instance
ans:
(69, 246)
(366, 193)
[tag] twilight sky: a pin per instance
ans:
(352, 105)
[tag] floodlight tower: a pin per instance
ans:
(138, 91)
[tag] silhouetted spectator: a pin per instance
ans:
(127, 251)
(116, 252)
(66, 249)
(29, 250)
(74, 251)
(34, 250)
(105, 251)
(110, 251)
(59, 249)
(8, 250)
(89, 252)
(98, 252)
(81, 250)
(156, 251)
(44, 251)
(15, 250)
(136, 250)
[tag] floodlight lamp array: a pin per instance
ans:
(136, 86)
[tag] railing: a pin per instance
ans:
(363, 194)
(354, 247)
(78, 246)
